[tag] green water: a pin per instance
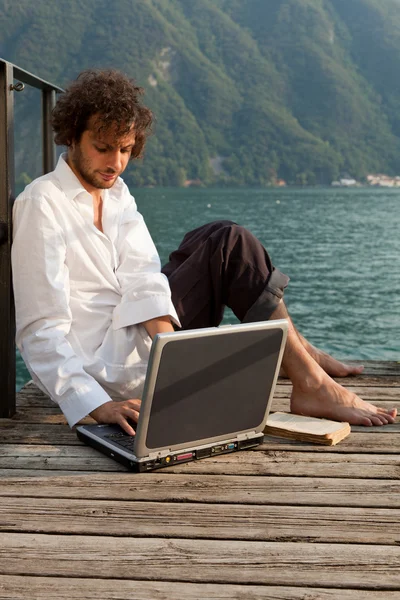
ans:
(341, 249)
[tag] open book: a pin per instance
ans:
(306, 429)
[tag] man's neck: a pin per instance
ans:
(96, 193)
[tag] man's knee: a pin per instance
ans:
(223, 226)
(232, 232)
(226, 227)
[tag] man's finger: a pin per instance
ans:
(122, 422)
(134, 403)
(131, 414)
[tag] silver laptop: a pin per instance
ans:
(207, 392)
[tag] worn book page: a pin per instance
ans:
(302, 424)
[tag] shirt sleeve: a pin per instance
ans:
(43, 315)
(145, 290)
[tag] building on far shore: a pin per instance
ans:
(383, 180)
(347, 182)
(192, 183)
(378, 180)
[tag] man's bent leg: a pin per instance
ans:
(224, 264)
(317, 395)
(222, 256)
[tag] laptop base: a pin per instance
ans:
(172, 459)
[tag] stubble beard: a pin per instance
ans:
(82, 165)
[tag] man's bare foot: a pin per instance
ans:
(314, 392)
(330, 400)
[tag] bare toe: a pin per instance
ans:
(383, 420)
(389, 415)
(365, 421)
(377, 420)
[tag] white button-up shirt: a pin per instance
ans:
(81, 295)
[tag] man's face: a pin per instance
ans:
(99, 158)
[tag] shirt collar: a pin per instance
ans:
(72, 187)
(70, 184)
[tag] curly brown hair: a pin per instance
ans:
(112, 97)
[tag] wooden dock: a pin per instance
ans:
(286, 521)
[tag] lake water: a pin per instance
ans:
(340, 247)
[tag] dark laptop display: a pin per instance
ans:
(211, 389)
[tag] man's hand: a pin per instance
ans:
(118, 412)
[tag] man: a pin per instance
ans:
(89, 292)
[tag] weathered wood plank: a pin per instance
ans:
(14, 432)
(52, 415)
(380, 367)
(45, 415)
(29, 413)
(369, 440)
(374, 440)
(34, 474)
(298, 464)
(379, 384)
(371, 387)
(32, 396)
(161, 487)
(51, 588)
(165, 519)
(392, 428)
(370, 393)
(262, 462)
(370, 381)
(273, 563)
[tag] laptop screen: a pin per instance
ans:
(212, 386)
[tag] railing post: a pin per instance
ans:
(49, 149)
(7, 315)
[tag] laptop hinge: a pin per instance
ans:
(246, 436)
(159, 454)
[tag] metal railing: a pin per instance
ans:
(10, 73)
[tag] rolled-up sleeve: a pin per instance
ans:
(43, 316)
(145, 291)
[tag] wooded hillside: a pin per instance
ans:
(245, 91)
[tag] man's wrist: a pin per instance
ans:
(97, 413)
(158, 325)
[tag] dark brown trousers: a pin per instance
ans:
(222, 264)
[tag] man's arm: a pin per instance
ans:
(43, 316)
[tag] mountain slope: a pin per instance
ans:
(303, 90)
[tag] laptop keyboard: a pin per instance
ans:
(123, 439)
